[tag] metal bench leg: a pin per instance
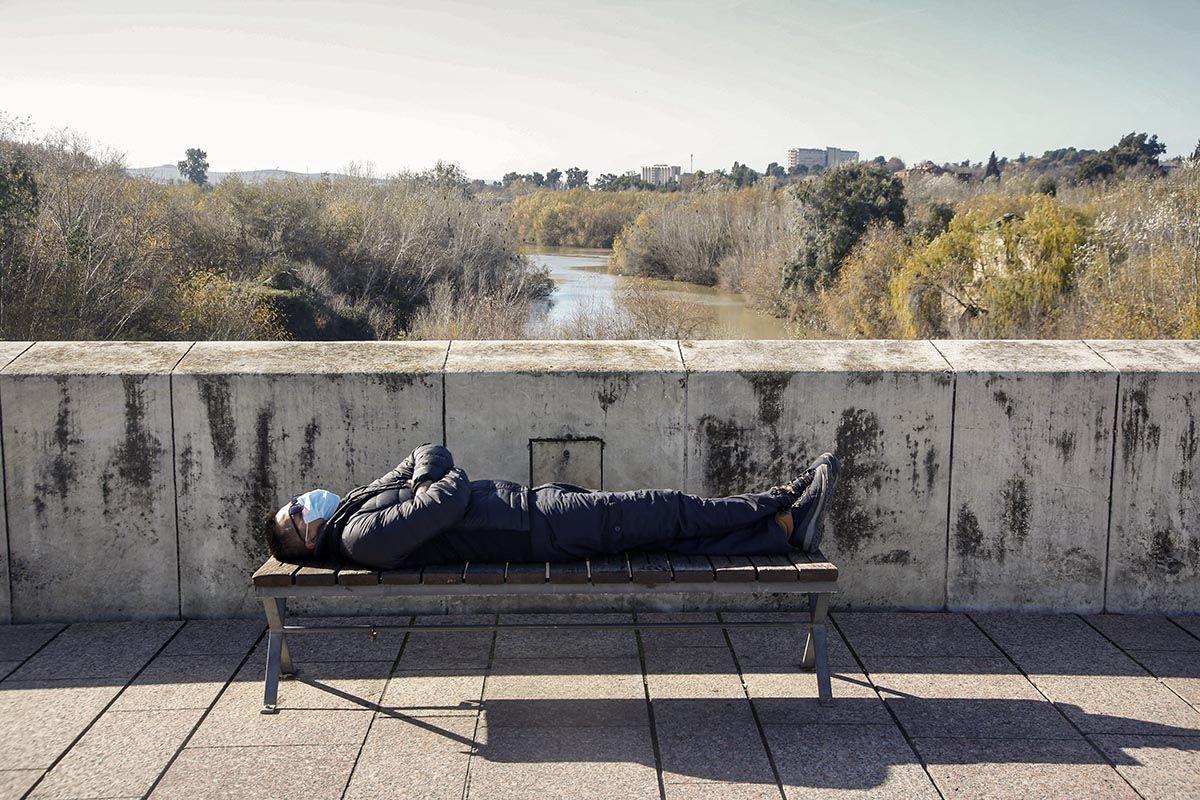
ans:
(279, 660)
(816, 645)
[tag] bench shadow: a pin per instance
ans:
(808, 740)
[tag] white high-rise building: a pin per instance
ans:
(815, 157)
(660, 174)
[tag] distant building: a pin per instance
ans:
(816, 158)
(660, 174)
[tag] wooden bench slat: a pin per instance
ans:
(732, 569)
(813, 567)
(775, 568)
(650, 569)
(569, 572)
(443, 574)
(403, 576)
(484, 573)
(274, 573)
(309, 575)
(357, 577)
(610, 569)
(691, 569)
(522, 572)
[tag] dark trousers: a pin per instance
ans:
(571, 523)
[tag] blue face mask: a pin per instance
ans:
(318, 504)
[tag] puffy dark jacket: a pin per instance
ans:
(385, 523)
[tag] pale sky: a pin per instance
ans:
(528, 85)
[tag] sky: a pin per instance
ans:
(523, 85)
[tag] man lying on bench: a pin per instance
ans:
(425, 511)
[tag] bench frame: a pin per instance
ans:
(273, 592)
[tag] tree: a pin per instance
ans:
(577, 178)
(536, 178)
(894, 165)
(776, 171)
(510, 178)
(1196, 152)
(1135, 151)
(194, 168)
(743, 175)
(837, 209)
(552, 177)
(993, 169)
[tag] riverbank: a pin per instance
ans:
(583, 284)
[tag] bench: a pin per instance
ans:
(639, 574)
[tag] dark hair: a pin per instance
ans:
(282, 549)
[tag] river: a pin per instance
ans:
(582, 279)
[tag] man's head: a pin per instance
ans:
(293, 531)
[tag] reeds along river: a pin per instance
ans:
(582, 281)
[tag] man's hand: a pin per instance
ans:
(422, 486)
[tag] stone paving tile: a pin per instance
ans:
(449, 650)
(1008, 769)
(566, 692)
(723, 747)
(1159, 767)
(895, 634)
(1190, 623)
(178, 682)
(1179, 670)
(1060, 644)
(847, 761)
(42, 718)
(1120, 704)
(422, 760)
(1144, 633)
(580, 763)
(783, 645)
(790, 696)
(566, 644)
(318, 684)
(97, 650)
(14, 783)
(978, 698)
(671, 638)
(214, 637)
(122, 754)
(434, 693)
(314, 772)
(354, 645)
(691, 662)
(18, 642)
(716, 790)
(712, 674)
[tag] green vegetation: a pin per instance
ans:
(575, 217)
(194, 167)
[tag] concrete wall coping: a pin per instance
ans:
(321, 358)
(566, 356)
(98, 358)
(10, 350)
(1150, 355)
(810, 355)
(1021, 355)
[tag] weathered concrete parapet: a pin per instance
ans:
(760, 411)
(87, 469)
(1033, 428)
(1154, 536)
(258, 422)
(8, 351)
(500, 396)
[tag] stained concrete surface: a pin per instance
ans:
(760, 412)
(1033, 437)
(1154, 538)
(89, 478)
(606, 714)
(8, 351)
(259, 422)
(501, 395)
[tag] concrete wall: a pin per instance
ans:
(1050, 475)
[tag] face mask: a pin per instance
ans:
(318, 504)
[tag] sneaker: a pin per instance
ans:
(796, 487)
(809, 509)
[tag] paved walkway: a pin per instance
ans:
(927, 705)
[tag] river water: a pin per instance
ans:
(582, 280)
